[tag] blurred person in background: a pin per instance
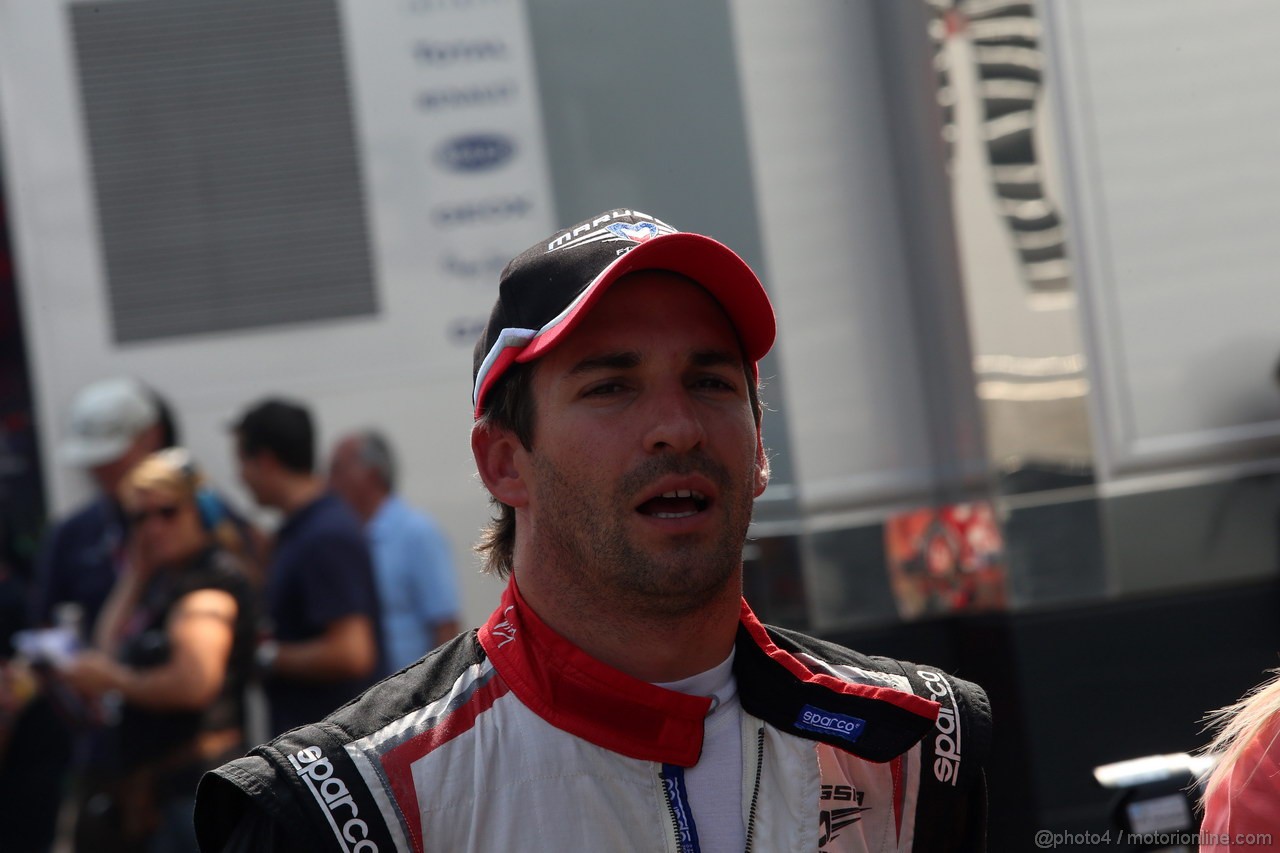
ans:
(412, 563)
(172, 655)
(115, 423)
(1242, 794)
(321, 599)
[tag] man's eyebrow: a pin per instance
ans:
(607, 361)
(716, 358)
(628, 359)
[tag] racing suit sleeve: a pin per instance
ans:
(258, 832)
(975, 826)
(241, 807)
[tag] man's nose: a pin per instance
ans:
(675, 423)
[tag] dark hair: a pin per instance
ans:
(281, 428)
(509, 405)
(170, 434)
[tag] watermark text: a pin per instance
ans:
(1050, 840)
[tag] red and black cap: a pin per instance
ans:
(546, 290)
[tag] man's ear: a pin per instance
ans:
(495, 451)
(762, 466)
(151, 439)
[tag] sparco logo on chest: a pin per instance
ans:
(334, 798)
(831, 723)
(946, 746)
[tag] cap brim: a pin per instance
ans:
(84, 453)
(709, 263)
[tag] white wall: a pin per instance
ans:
(405, 369)
(1168, 118)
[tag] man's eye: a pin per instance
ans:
(603, 389)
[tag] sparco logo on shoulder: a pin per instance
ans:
(831, 723)
(332, 794)
(946, 746)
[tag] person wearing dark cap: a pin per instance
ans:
(623, 696)
(321, 601)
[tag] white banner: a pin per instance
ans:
(447, 104)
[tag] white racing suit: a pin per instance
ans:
(509, 738)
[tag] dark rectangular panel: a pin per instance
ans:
(224, 164)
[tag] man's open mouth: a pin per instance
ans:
(680, 503)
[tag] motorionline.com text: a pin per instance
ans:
(1049, 840)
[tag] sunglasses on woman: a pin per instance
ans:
(165, 513)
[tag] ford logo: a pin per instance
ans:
(476, 153)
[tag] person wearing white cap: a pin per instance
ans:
(114, 424)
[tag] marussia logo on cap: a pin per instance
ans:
(601, 229)
(641, 232)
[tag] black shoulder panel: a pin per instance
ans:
(963, 729)
(306, 782)
(952, 802)
(411, 688)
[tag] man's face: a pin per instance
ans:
(254, 474)
(165, 527)
(109, 475)
(348, 475)
(646, 456)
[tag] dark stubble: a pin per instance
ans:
(588, 538)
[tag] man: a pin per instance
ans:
(412, 566)
(623, 696)
(115, 423)
(321, 598)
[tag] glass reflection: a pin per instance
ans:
(1028, 356)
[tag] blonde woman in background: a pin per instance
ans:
(1242, 795)
(173, 654)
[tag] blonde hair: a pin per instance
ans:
(1237, 726)
(173, 472)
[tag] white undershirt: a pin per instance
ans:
(714, 784)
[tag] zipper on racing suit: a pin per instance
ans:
(678, 805)
(755, 788)
(678, 808)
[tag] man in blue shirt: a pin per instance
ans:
(413, 567)
(321, 597)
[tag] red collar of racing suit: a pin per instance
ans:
(589, 699)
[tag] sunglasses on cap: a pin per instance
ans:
(165, 513)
